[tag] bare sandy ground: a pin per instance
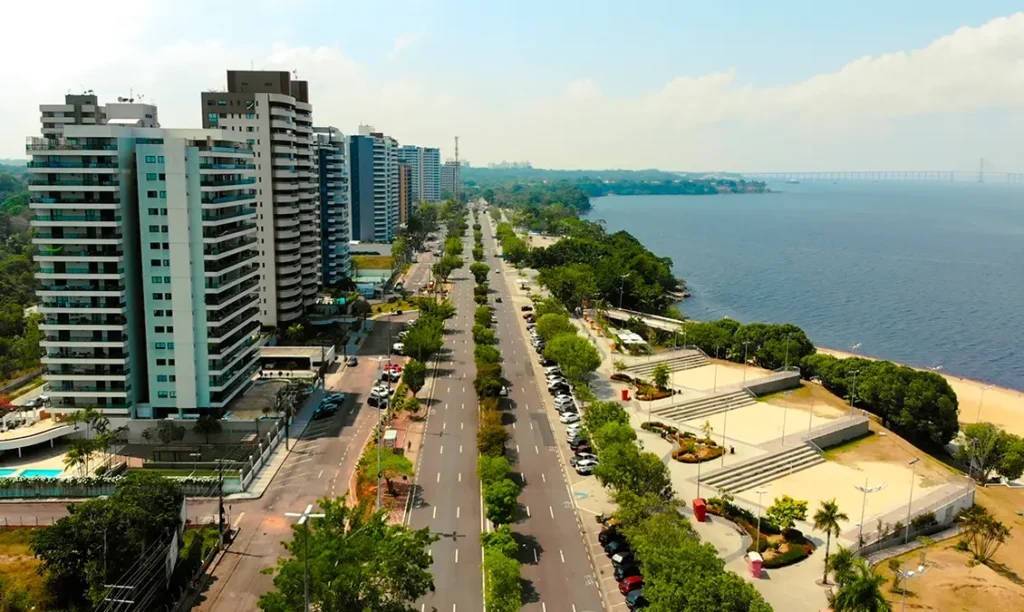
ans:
(1004, 407)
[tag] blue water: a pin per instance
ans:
(40, 473)
(5, 472)
(927, 274)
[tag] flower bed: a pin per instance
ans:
(648, 393)
(777, 548)
(693, 449)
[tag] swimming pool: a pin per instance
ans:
(40, 473)
(5, 472)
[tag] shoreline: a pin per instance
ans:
(1002, 406)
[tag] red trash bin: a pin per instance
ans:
(625, 395)
(700, 509)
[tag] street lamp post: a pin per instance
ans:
(195, 460)
(908, 576)
(863, 507)
(622, 287)
(303, 517)
(913, 476)
(760, 492)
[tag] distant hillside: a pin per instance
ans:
(501, 175)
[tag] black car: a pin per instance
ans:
(526, 308)
(559, 390)
(322, 412)
(607, 536)
(626, 570)
(576, 442)
(545, 362)
(636, 600)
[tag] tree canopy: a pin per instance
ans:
(577, 357)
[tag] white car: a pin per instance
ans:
(552, 370)
(398, 347)
(504, 391)
(569, 417)
(585, 467)
(564, 400)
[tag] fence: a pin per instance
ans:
(945, 508)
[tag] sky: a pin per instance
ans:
(680, 85)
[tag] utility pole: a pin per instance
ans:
(303, 517)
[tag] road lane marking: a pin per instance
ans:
(560, 554)
(435, 512)
(444, 425)
(442, 449)
(449, 389)
(446, 406)
(457, 512)
(460, 476)
(528, 512)
(463, 406)
(460, 449)
(543, 608)
(321, 474)
(456, 560)
(551, 511)
(535, 558)
(531, 424)
(237, 521)
(462, 425)
(439, 476)
(543, 478)
(535, 449)
(517, 449)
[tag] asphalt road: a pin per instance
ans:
(556, 565)
(448, 498)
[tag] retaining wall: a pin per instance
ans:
(773, 383)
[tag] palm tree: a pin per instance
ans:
(841, 565)
(827, 519)
(863, 592)
(78, 453)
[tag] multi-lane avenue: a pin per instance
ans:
(557, 570)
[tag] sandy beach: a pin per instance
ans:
(1001, 406)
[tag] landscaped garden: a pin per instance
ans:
(692, 449)
(779, 543)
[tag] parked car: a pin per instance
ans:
(324, 410)
(585, 468)
(378, 400)
(504, 391)
(636, 600)
(544, 361)
(576, 442)
(554, 369)
(352, 361)
(615, 547)
(497, 300)
(526, 308)
(622, 558)
(584, 448)
(579, 457)
(569, 417)
(559, 389)
(335, 397)
(528, 316)
(630, 584)
(607, 536)
(398, 347)
(627, 570)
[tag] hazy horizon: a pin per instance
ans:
(782, 87)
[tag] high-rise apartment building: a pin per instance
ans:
(404, 192)
(85, 109)
(148, 267)
(425, 167)
(451, 177)
(335, 197)
(273, 114)
(373, 159)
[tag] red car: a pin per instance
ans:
(392, 367)
(631, 583)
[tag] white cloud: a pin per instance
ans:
(963, 95)
(403, 42)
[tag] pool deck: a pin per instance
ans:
(46, 430)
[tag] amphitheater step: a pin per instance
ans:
(684, 360)
(705, 406)
(762, 470)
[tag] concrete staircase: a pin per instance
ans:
(679, 360)
(705, 406)
(764, 469)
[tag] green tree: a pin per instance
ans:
(634, 509)
(483, 335)
(982, 533)
(415, 375)
(355, 563)
(479, 272)
(492, 469)
(841, 565)
(988, 449)
(613, 433)
(501, 499)
(862, 592)
(361, 309)
(600, 413)
(577, 357)
(553, 324)
(207, 424)
(571, 284)
(144, 510)
(491, 437)
(393, 465)
(482, 316)
(484, 353)
(827, 519)
(503, 592)
(78, 454)
(661, 375)
(786, 511)
(624, 466)
(500, 540)
(424, 339)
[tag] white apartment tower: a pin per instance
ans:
(425, 165)
(148, 270)
(385, 184)
(335, 201)
(272, 112)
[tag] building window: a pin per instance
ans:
(163, 228)
(161, 394)
(154, 211)
(170, 329)
(158, 296)
(157, 280)
(155, 263)
(163, 177)
(173, 378)
(163, 194)
(154, 228)
(167, 296)
(161, 378)
(174, 394)
(213, 117)
(167, 245)
(167, 280)
(170, 345)
(159, 329)
(251, 116)
(170, 362)
(150, 194)
(167, 263)
(161, 362)
(250, 128)
(222, 102)
(160, 158)
(154, 245)
(151, 176)
(163, 211)
(160, 345)
(151, 159)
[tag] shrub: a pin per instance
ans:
(923, 521)
(622, 378)
(795, 554)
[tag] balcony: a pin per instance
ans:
(72, 146)
(229, 150)
(221, 234)
(214, 219)
(223, 331)
(80, 254)
(212, 166)
(77, 238)
(286, 235)
(218, 185)
(69, 389)
(230, 349)
(85, 289)
(69, 341)
(79, 356)
(217, 301)
(227, 248)
(225, 281)
(66, 201)
(89, 220)
(41, 164)
(226, 264)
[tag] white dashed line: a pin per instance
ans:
(442, 449)
(460, 449)
(439, 476)
(535, 558)
(560, 554)
(435, 512)
(535, 449)
(457, 512)
(550, 509)
(528, 512)
(543, 478)
(456, 560)
(321, 474)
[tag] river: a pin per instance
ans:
(927, 274)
